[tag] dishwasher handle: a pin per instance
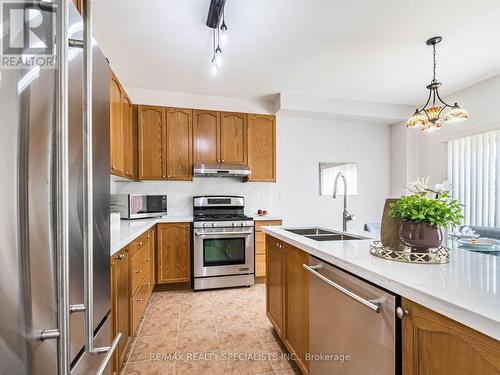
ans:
(374, 305)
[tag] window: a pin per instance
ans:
(473, 170)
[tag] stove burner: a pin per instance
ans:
(219, 208)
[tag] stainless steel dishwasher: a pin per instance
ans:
(352, 324)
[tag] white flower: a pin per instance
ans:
(421, 186)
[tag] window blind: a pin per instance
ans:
(473, 164)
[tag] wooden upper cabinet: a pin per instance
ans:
(233, 138)
(436, 345)
(173, 253)
(179, 144)
(116, 129)
(128, 138)
(206, 128)
(151, 142)
(262, 147)
(122, 132)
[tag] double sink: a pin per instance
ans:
(320, 234)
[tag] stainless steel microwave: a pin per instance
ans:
(139, 206)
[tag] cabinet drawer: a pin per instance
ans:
(260, 265)
(139, 303)
(264, 223)
(139, 267)
(137, 244)
(260, 248)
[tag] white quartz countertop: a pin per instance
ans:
(128, 230)
(466, 290)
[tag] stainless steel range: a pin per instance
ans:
(223, 243)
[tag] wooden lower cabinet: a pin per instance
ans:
(152, 255)
(274, 283)
(260, 246)
(120, 304)
(139, 301)
(173, 253)
(132, 282)
(432, 344)
(436, 345)
(287, 297)
(296, 304)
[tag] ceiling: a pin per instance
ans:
(360, 50)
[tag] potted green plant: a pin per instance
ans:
(425, 213)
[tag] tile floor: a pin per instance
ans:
(211, 332)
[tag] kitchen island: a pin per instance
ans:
(466, 290)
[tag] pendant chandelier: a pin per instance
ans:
(429, 116)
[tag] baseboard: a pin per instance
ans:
(173, 286)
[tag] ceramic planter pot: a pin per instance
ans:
(420, 236)
(389, 231)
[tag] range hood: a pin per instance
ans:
(220, 170)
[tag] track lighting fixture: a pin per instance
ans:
(223, 30)
(217, 23)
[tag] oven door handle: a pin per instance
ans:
(222, 233)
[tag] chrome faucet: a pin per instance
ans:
(346, 215)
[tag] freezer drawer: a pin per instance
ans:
(352, 324)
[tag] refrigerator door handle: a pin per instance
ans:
(62, 162)
(88, 198)
(88, 209)
(109, 354)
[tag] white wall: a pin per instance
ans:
(301, 145)
(424, 154)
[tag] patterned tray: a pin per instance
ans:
(434, 256)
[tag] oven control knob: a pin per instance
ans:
(242, 224)
(234, 225)
(214, 225)
(205, 225)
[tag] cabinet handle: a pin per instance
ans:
(147, 236)
(146, 260)
(139, 299)
(138, 271)
(222, 160)
(401, 313)
(120, 256)
(139, 243)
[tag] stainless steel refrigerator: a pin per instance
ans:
(46, 303)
